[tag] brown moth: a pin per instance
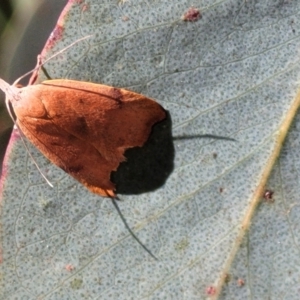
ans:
(84, 128)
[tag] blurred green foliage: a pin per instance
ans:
(5, 122)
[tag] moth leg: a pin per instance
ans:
(45, 72)
(130, 230)
(36, 70)
(39, 65)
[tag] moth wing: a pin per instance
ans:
(75, 156)
(111, 119)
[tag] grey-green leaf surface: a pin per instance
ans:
(229, 82)
(268, 259)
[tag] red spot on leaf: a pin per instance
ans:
(240, 282)
(268, 196)
(55, 35)
(211, 290)
(192, 15)
(69, 267)
(85, 7)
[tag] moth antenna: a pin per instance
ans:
(51, 57)
(9, 111)
(128, 228)
(34, 161)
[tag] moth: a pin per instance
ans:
(82, 127)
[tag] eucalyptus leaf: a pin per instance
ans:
(229, 83)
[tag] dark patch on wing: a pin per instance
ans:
(75, 169)
(80, 126)
(116, 94)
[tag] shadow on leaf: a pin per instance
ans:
(147, 168)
